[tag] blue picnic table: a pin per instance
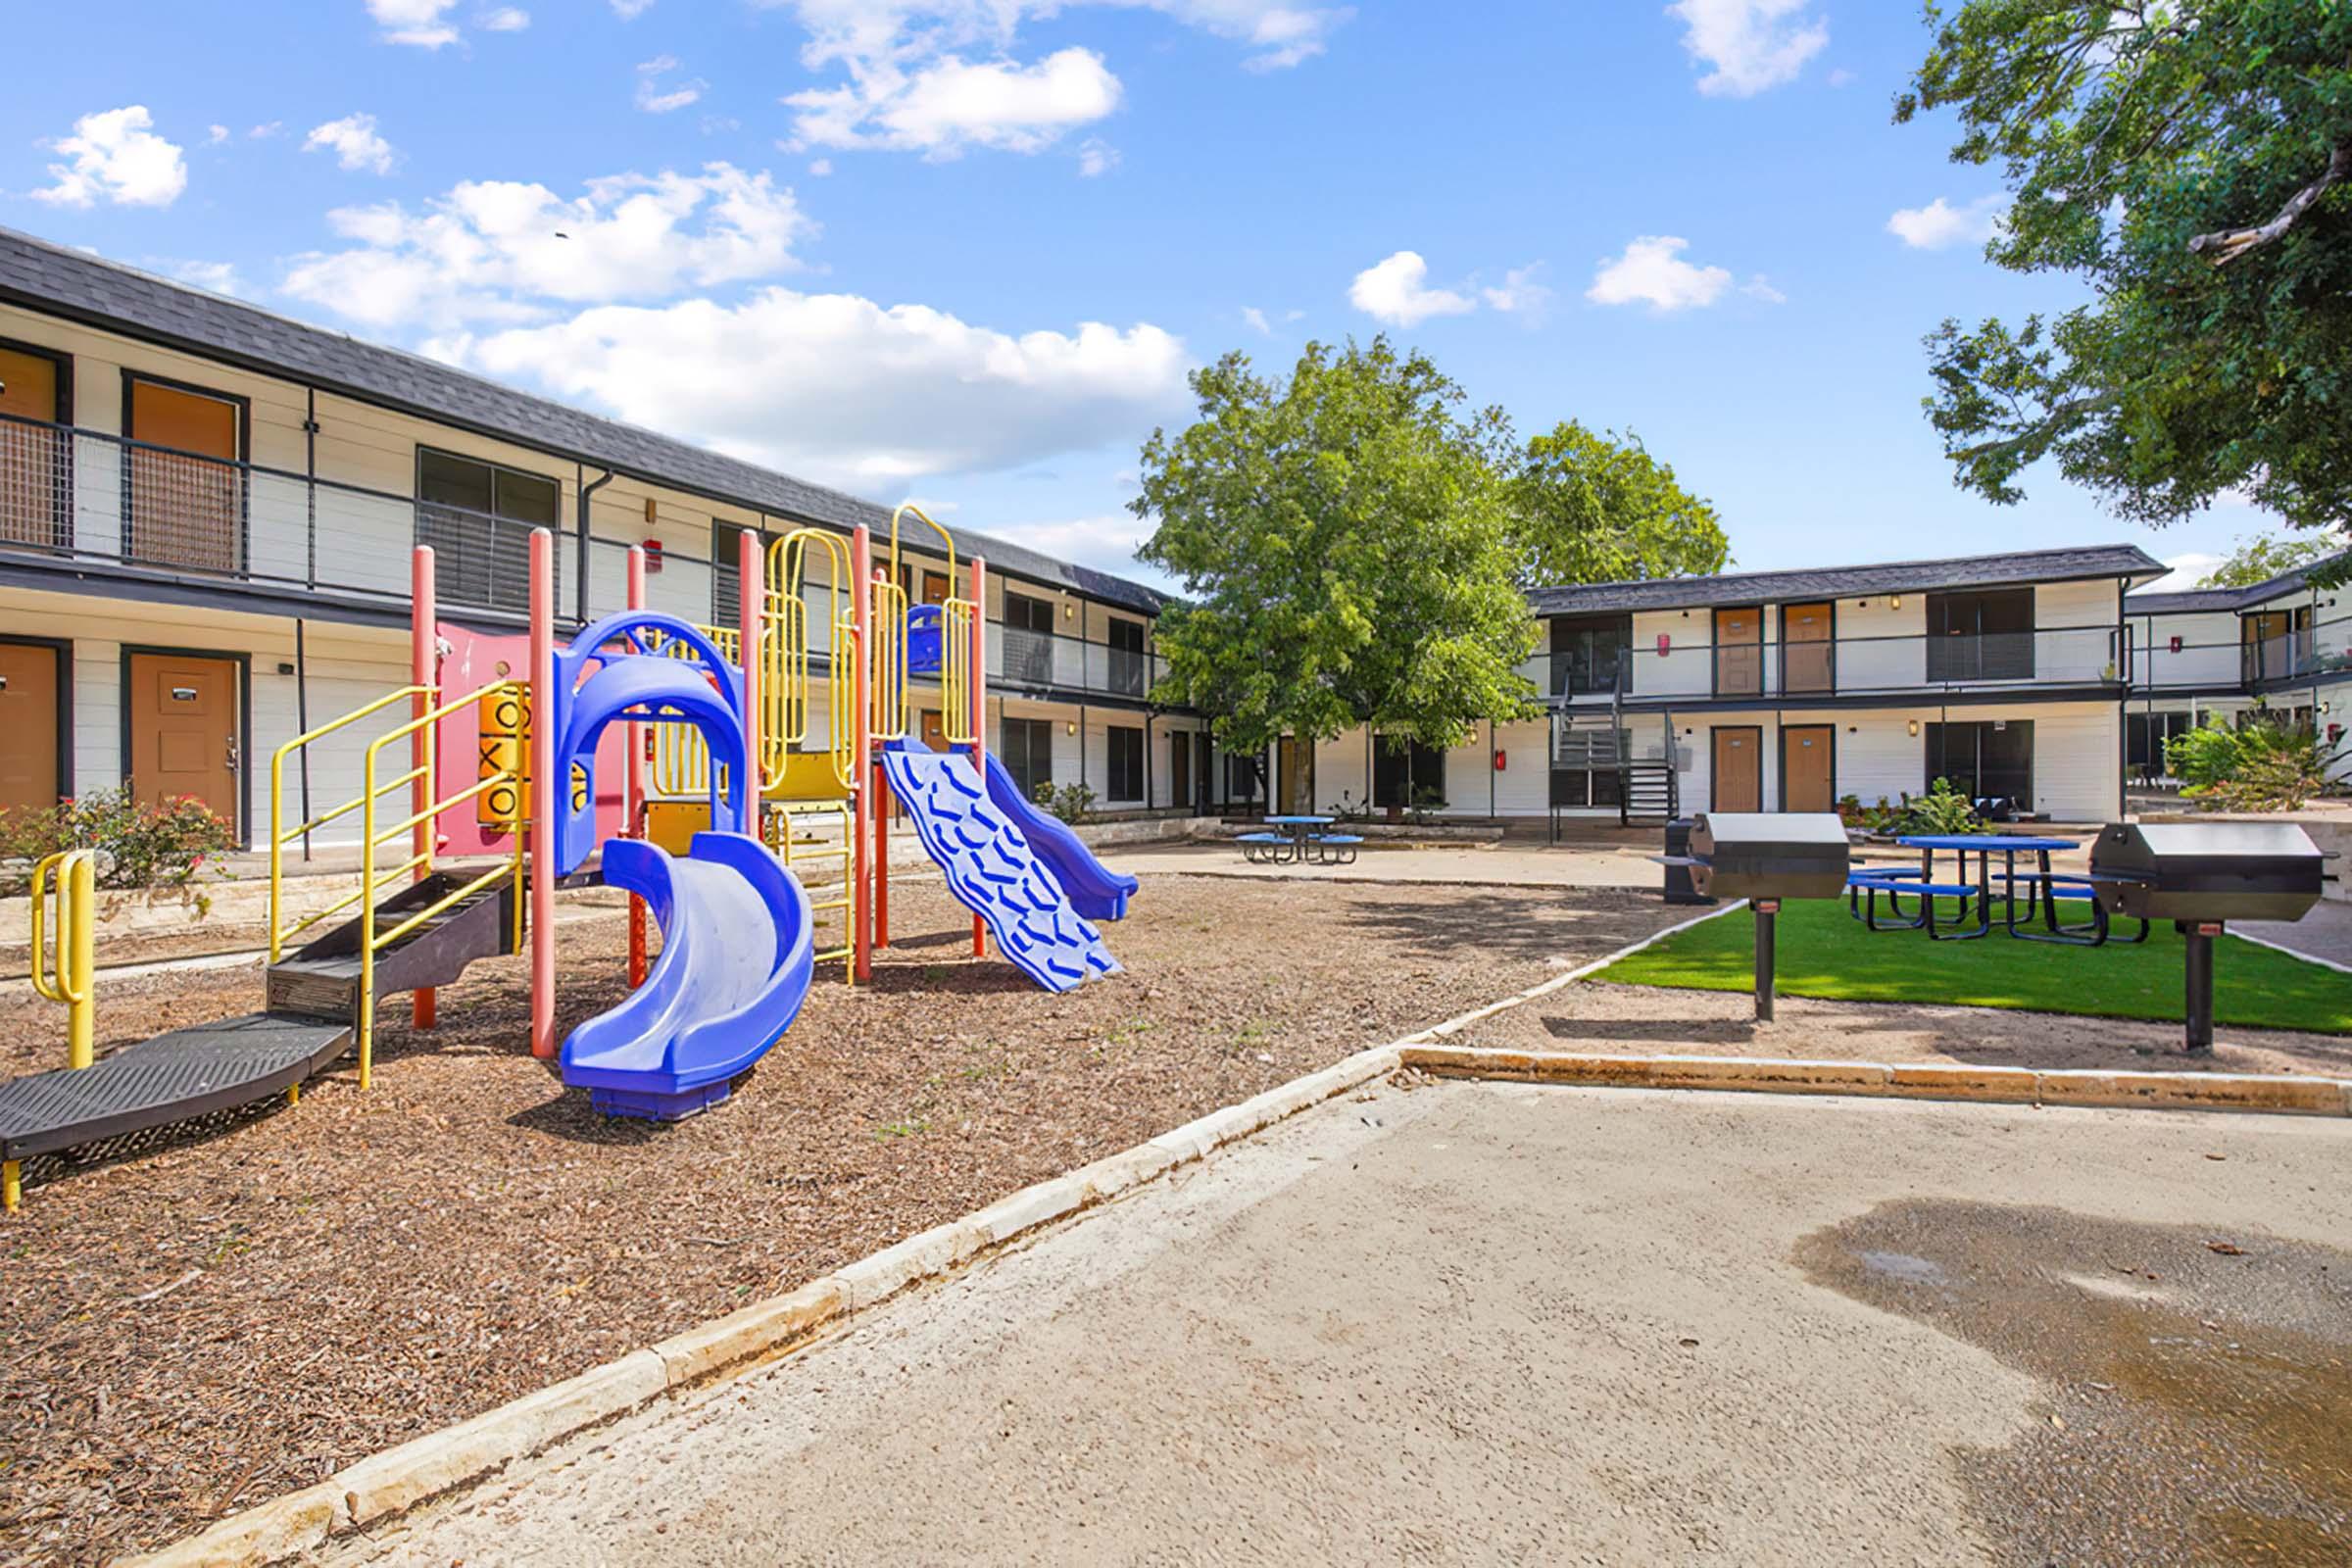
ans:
(2042, 888)
(1297, 841)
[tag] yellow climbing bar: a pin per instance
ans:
(70, 877)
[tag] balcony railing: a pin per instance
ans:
(83, 497)
(1044, 659)
(2071, 656)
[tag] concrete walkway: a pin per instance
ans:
(1487, 1324)
(2326, 933)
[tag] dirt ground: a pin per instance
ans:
(1605, 1019)
(1503, 1324)
(200, 1328)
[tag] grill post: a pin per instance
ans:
(2197, 966)
(1767, 918)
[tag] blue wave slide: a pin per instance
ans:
(1095, 889)
(737, 953)
(1000, 873)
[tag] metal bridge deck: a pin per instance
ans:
(174, 1077)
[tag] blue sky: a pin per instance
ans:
(965, 250)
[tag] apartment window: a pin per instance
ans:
(36, 458)
(1406, 772)
(1586, 652)
(1241, 776)
(1126, 765)
(1984, 761)
(1986, 635)
(183, 478)
(1025, 746)
(1127, 658)
(2278, 643)
(1028, 640)
(479, 517)
(726, 573)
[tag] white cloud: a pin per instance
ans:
(937, 76)
(1940, 224)
(220, 278)
(265, 131)
(419, 24)
(115, 157)
(1107, 541)
(1095, 157)
(1256, 320)
(1652, 273)
(951, 104)
(1522, 294)
(506, 19)
(354, 141)
(820, 166)
(215, 135)
(658, 97)
(631, 10)
(506, 252)
(1395, 292)
(1842, 77)
(1759, 287)
(2188, 569)
(846, 391)
(1749, 44)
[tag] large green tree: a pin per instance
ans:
(1344, 537)
(2267, 556)
(2190, 161)
(1598, 508)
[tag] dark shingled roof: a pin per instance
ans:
(55, 280)
(1848, 583)
(2189, 599)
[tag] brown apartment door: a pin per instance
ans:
(183, 717)
(187, 505)
(32, 457)
(1808, 767)
(30, 776)
(1738, 651)
(1738, 773)
(1805, 648)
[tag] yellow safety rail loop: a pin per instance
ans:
(72, 979)
(373, 838)
(789, 648)
(957, 619)
(887, 623)
(280, 836)
(681, 761)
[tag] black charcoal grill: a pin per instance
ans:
(1765, 856)
(2199, 876)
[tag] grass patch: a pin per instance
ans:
(1825, 953)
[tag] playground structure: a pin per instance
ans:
(711, 846)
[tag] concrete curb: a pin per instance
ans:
(1559, 981)
(382, 1485)
(2256, 1093)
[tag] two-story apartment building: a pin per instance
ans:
(1790, 690)
(2283, 647)
(207, 510)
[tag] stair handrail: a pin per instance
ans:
(280, 836)
(72, 979)
(373, 941)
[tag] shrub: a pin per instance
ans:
(1879, 819)
(1072, 802)
(138, 845)
(1943, 811)
(2266, 767)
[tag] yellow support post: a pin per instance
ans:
(72, 979)
(12, 1186)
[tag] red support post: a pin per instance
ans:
(425, 671)
(861, 566)
(979, 686)
(632, 788)
(546, 790)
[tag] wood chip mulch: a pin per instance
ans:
(189, 1331)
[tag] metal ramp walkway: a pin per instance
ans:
(313, 998)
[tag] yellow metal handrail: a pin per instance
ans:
(280, 836)
(72, 979)
(785, 677)
(373, 838)
(956, 620)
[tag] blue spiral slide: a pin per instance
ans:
(737, 943)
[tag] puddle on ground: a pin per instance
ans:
(2200, 1411)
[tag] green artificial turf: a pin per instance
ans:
(1824, 952)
